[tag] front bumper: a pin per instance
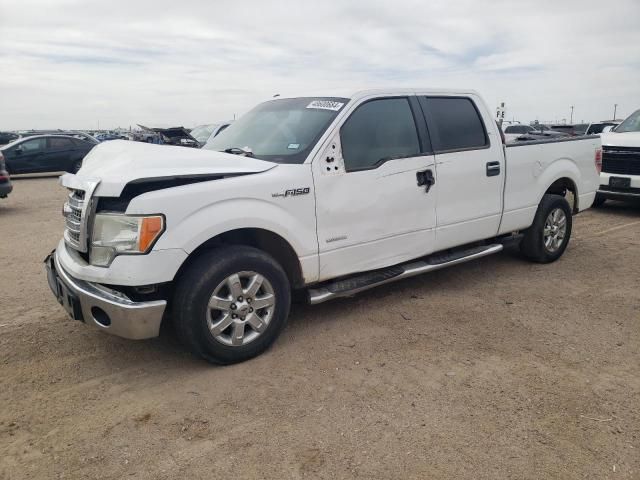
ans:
(103, 308)
(630, 192)
(619, 194)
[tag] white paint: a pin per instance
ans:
(349, 221)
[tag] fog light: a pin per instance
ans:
(100, 316)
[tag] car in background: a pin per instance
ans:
(596, 128)
(73, 133)
(103, 137)
(620, 174)
(513, 133)
(571, 130)
(204, 133)
(179, 136)
(5, 181)
(7, 137)
(45, 153)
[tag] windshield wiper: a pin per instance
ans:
(244, 152)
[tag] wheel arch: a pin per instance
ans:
(561, 186)
(262, 239)
(560, 176)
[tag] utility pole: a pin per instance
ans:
(571, 115)
(615, 108)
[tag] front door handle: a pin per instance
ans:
(426, 178)
(493, 169)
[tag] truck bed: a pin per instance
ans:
(528, 176)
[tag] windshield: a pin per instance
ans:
(596, 128)
(202, 132)
(631, 124)
(282, 131)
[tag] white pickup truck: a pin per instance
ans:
(620, 177)
(323, 195)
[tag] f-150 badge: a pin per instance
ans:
(292, 192)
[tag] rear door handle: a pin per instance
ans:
(493, 169)
(425, 177)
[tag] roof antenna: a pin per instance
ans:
(276, 95)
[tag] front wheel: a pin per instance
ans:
(231, 304)
(547, 238)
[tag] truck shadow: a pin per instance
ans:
(455, 279)
(629, 209)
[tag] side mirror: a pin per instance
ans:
(18, 150)
(607, 129)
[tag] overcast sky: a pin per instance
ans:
(74, 64)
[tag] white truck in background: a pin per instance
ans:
(620, 177)
(327, 195)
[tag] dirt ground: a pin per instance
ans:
(494, 369)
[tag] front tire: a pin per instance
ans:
(547, 238)
(231, 304)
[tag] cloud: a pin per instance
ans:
(72, 64)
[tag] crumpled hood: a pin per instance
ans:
(627, 139)
(118, 162)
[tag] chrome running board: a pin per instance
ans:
(364, 281)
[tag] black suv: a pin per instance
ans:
(45, 153)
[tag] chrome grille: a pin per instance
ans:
(77, 210)
(621, 160)
(73, 218)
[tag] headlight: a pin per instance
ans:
(115, 234)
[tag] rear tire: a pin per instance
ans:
(214, 299)
(599, 200)
(547, 238)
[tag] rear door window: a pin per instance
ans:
(454, 124)
(377, 131)
(60, 144)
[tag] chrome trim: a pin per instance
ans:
(77, 212)
(609, 193)
(129, 319)
(322, 294)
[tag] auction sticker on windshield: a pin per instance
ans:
(326, 105)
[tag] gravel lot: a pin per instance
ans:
(493, 369)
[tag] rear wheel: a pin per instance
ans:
(231, 304)
(547, 238)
